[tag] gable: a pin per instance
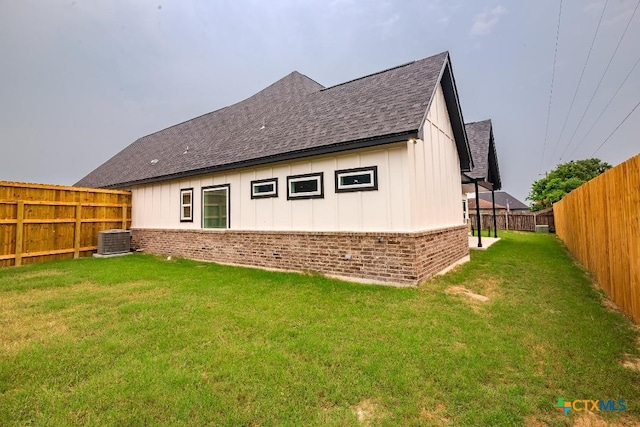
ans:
(483, 150)
(293, 118)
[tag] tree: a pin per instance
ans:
(562, 180)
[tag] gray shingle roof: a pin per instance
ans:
(502, 198)
(293, 115)
(482, 146)
(484, 204)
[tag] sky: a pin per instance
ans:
(81, 80)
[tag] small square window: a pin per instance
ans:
(359, 179)
(186, 205)
(308, 186)
(264, 188)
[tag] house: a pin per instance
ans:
(486, 207)
(485, 173)
(359, 180)
(507, 200)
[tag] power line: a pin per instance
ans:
(601, 79)
(617, 127)
(584, 67)
(553, 75)
(605, 108)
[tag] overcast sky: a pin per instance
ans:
(80, 80)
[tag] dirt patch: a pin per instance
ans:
(532, 421)
(589, 419)
(631, 362)
(436, 415)
(488, 286)
(461, 290)
(368, 412)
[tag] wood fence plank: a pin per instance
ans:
(19, 233)
(599, 223)
(77, 231)
(56, 222)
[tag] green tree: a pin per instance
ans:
(562, 180)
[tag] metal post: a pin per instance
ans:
(478, 222)
(495, 226)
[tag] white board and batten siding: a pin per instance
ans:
(386, 209)
(435, 171)
(418, 189)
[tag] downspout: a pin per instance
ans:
(493, 201)
(478, 222)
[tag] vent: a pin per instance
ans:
(114, 242)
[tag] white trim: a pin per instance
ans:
(273, 192)
(310, 177)
(189, 205)
(225, 188)
(370, 184)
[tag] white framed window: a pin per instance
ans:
(307, 186)
(186, 205)
(358, 179)
(264, 188)
(215, 206)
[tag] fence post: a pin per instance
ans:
(76, 240)
(19, 232)
(124, 216)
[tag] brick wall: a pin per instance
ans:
(401, 258)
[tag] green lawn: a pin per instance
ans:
(140, 340)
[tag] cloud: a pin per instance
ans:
(485, 22)
(444, 20)
(388, 25)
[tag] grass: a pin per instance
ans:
(140, 340)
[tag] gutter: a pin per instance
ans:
(294, 155)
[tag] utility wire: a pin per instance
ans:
(601, 79)
(553, 75)
(617, 127)
(605, 108)
(584, 67)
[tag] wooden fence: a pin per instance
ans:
(525, 221)
(599, 223)
(46, 222)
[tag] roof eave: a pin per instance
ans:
(450, 91)
(294, 155)
(494, 168)
(482, 182)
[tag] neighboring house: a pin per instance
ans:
(486, 207)
(359, 180)
(507, 200)
(485, 173)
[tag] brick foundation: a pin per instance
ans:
(398, 258)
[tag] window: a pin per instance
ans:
(264, 188)
(359, 179)
(464, 210)
(215, 207)
(309, 186)
(186, 205)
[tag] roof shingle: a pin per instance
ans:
(294, 114)
(485, 159)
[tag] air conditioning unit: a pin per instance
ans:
(114, 242)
